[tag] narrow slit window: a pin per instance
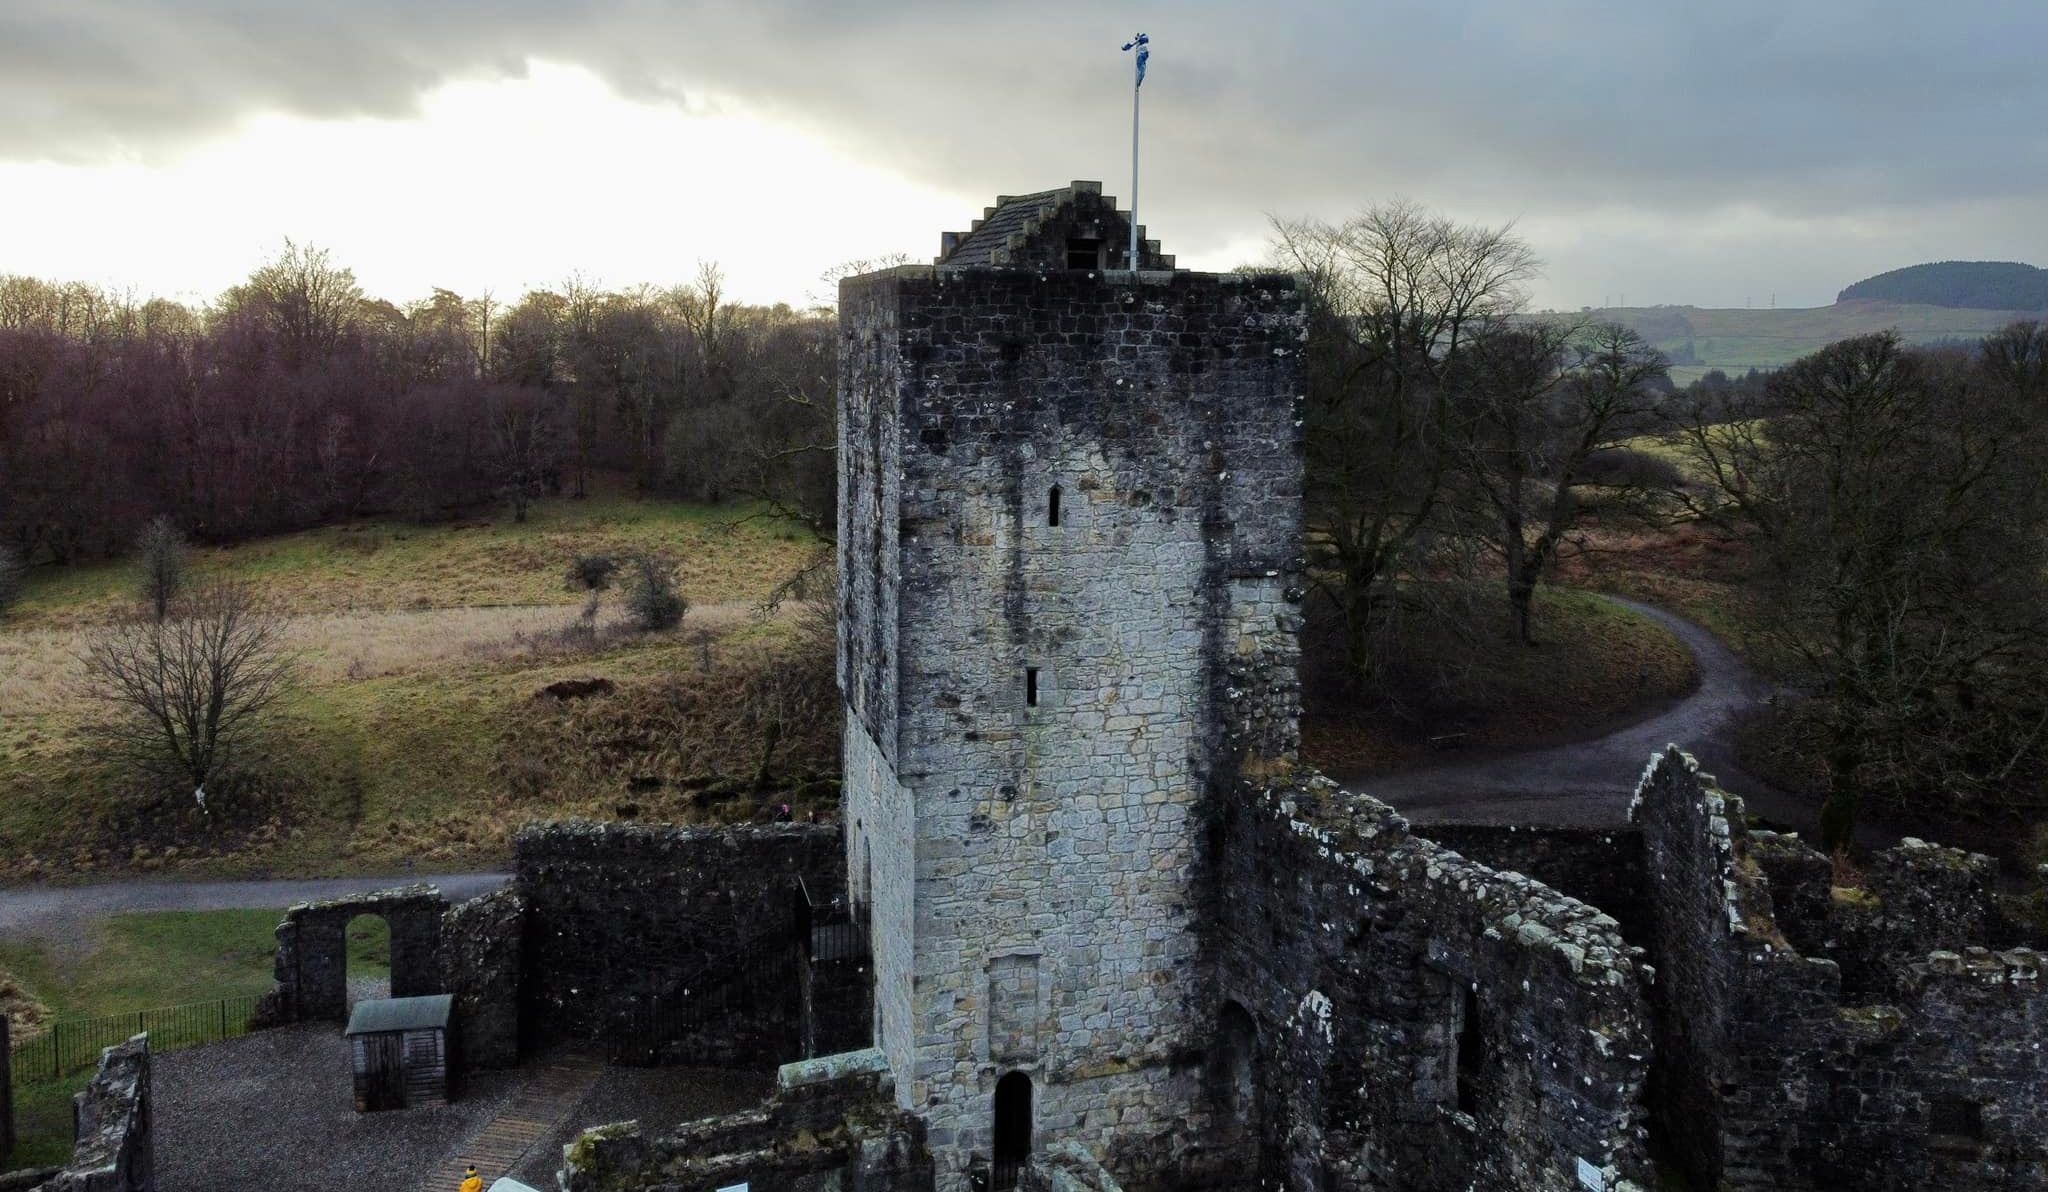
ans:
(1052, 506)
(1030, 686)
(1471, 1053)
(1084, 254)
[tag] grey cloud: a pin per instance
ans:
(1499, 105)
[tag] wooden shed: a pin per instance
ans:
(400, 1049)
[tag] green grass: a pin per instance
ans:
(1736, 341)
(128, 963)
(139, 961)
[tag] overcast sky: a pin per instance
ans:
(1709, 152)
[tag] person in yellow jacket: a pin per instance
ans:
(471, 1181)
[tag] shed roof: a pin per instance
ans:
(400, 1014)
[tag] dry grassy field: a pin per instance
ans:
(419, 734)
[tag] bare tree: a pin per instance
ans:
(1896, 506)
(182, 695)
(522, 442)
(11, 575)
(1537, 406)
(160, 552)
(307, 301)
(1395, 294)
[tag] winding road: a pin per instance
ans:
(1587, 784)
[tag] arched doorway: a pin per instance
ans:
(366, 959)
(1012, 1144)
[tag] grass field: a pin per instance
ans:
(133, 962)
(416, 736)
(1736, 341)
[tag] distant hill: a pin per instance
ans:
(1698, 339)
(1975, 285)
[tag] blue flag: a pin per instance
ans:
(1143, 45)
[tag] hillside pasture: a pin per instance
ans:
(1701, 339)
(421, 732)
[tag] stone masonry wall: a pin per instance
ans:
(621, 913)
(482, 945)
(831, 1126)
(1601, 867)
(1422, 1021)
(312, 950)
(1776, 1072)
(115, 1151)
(1034, 862)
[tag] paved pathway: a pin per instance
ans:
(1589, 784)
(53, 911)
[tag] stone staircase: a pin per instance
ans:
(533, 1112)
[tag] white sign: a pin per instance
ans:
(1590, 1177)
(735, 1188)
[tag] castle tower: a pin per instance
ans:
(1069, 502)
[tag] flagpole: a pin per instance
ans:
(1137, 90)
(1140, 43)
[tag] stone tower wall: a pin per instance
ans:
(1033, 866)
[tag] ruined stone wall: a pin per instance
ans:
(312, 950)
(1051, 846)
(1775, 1071)
(1601, 867)
(831, 1126)
(622, 913)
(482, 946)
(114, 1151)
(1422, 1021)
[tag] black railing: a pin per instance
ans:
(832, 931)
(71, 1044)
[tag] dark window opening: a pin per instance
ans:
(1471, 1053)
(1052, 506)
(1237, 1040)
(1030, 686)
(1956, 1118)
(1012, 1146)
(1084, 254)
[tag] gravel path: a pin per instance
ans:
(55, 912)
(1589, 784)
(276, 1110)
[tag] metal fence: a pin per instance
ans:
(71, 1044)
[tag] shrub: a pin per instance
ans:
(652, 600)
(592, 573)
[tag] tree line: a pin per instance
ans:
(1891, 502)
(295, 399)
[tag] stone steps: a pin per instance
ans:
(560, 1085)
